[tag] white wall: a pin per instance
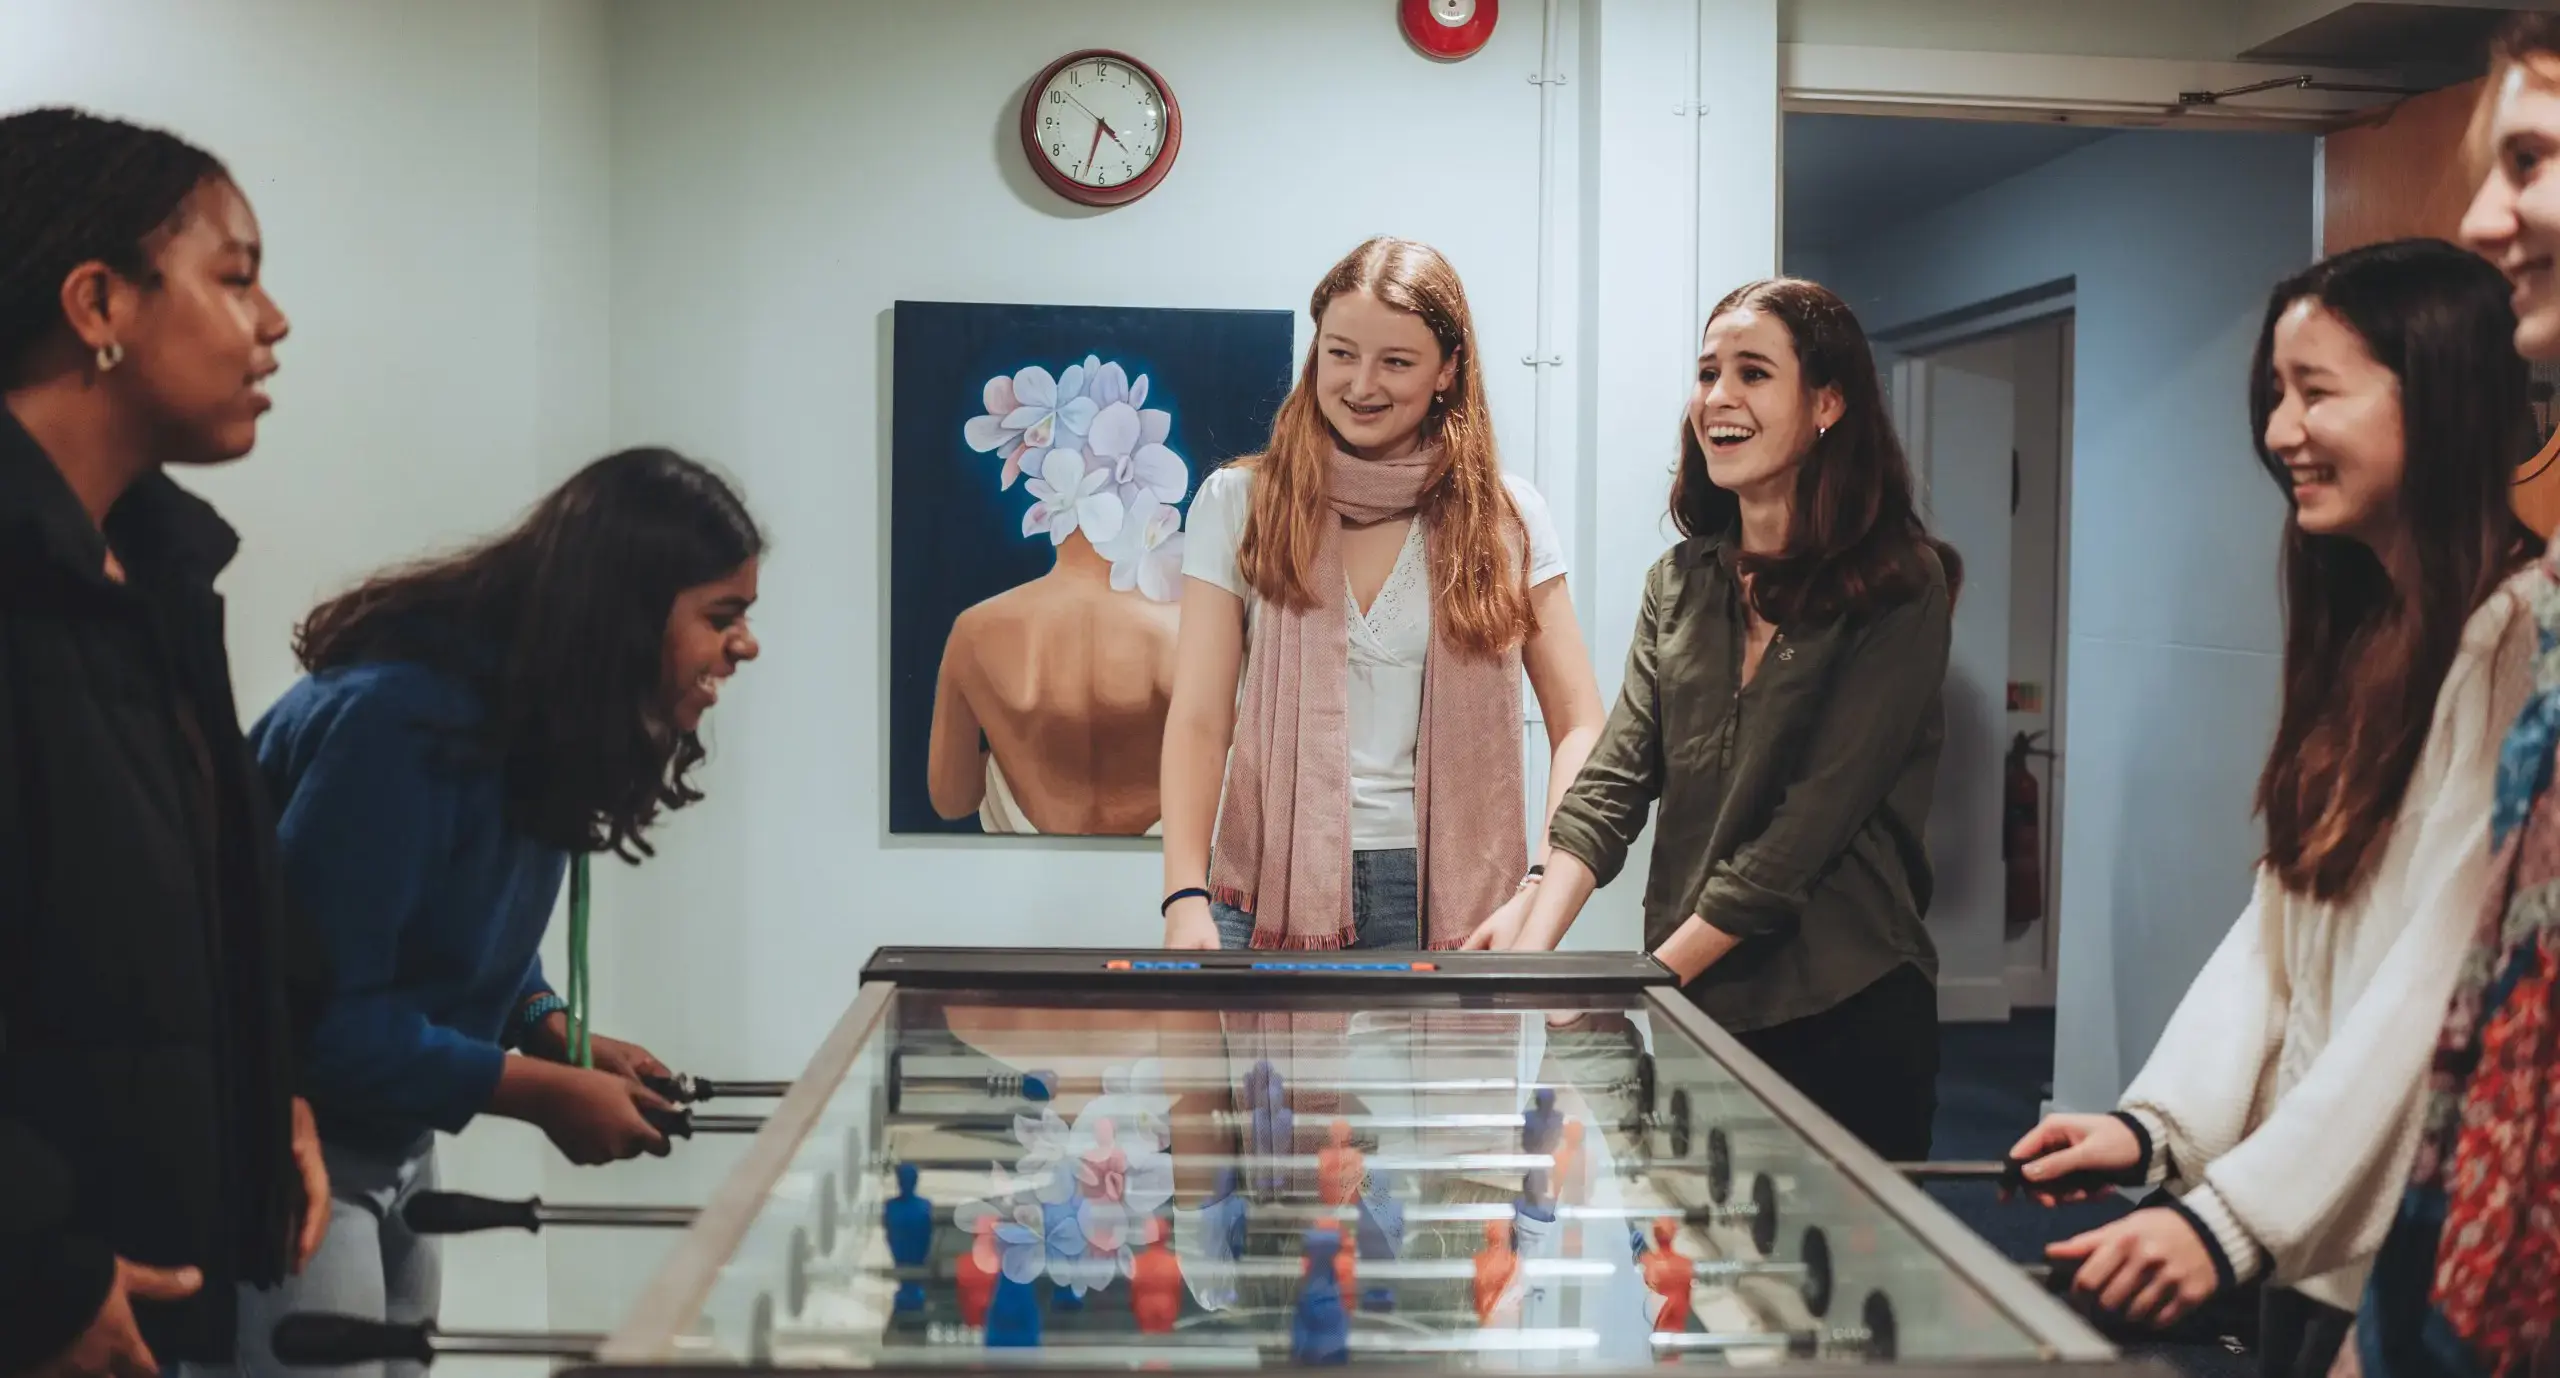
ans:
(440, 256)
(513, 233)
(2172, 240)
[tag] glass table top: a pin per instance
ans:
(1012, 1178)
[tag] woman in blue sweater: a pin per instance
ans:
(467, 728)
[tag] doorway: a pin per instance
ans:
(2018, 515)
(2064, 315)
(1985, 415)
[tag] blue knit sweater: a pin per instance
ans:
(395, 840)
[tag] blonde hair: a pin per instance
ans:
(2527, 43)
(1480, 574)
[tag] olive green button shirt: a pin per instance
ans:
(1793, 808)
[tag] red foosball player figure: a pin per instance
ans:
(1667, 1271)
(1497, 1269)
(1573, 1188)
(977, 1272)
(1155, 1286)
(1339, 1168)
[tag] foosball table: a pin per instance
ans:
(1091, 1160)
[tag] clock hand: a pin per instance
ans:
(1097, 119)
(1098, 130)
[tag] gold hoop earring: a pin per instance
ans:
(110, 354)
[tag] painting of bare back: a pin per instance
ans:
(1043, 460)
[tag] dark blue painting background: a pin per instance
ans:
(956, 538)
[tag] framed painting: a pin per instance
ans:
(1043, 460)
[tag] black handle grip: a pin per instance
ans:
(675, 1124)
(2013, 1178)
(315, 1340)
(683, 1088)
(454, 1212)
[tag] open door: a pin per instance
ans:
(1957, 414)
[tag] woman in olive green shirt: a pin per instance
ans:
(1782, 705)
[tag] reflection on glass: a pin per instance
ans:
(1146, 1184)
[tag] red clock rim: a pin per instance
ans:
(1077, 192)
(1440, 41)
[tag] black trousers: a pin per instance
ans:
(2298, 1337)
(1870, 1062)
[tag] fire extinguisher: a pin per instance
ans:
(2022, 833)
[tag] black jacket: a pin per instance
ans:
(151, 993)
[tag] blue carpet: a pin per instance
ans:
(1992, 1081)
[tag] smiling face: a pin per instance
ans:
(2514, 221)
(707, 640)
(1752, 412)
(2336, 426)
(1377, 370)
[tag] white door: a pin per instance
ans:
(1957, 414)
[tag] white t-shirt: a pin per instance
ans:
(1387, 645)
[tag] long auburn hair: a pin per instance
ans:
(1480, 586)
(560, 627)
(2367, 647)
(1855, 541)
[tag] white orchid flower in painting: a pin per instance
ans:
(1147, 554)
(1109, 383)
(1072, 497)
(1140, 469)
(1029, 414)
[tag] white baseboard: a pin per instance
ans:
(1973, 1000)
(2031, 988)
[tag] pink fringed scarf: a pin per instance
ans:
(1283, 847)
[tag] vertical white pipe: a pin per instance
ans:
(1542, 360)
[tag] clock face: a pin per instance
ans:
(1101, 128)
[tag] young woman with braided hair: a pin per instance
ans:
(154, 999)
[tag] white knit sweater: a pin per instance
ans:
(2281, 1099)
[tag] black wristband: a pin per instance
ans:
(1165, 910)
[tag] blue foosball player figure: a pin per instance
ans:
(1013, 1322)
(1274, 1131)
(908, 1221)
(1381, 1236)
(1320, 1333)
(1541, 1129)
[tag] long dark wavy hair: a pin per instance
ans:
(2367, 647)
(560, 625)
(1855, 541)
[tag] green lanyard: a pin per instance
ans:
(580, 991)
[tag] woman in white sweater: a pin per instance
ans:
(2277, 1105)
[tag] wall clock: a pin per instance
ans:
(1448, 29)
(1101, 128)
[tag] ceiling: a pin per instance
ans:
(1849, 176)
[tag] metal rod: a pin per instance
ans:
(1451, 1214)
(1714, 1271)
(1307, 1162)
(505, 1344)
(964, 1122)
(2305, 82)
(728, 1124)
(1459, 1342)
(619, 1217)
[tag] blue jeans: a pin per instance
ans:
(369, 1265)
(1386, 905)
